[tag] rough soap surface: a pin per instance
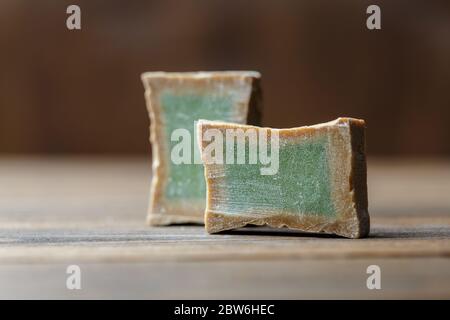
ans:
(175, 101)
(320, 185)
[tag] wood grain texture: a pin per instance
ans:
(59, 211)
(409, 278)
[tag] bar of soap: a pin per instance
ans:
(315, 180)
(175, 101)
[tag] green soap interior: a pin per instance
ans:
(301, 186)
(181, 110)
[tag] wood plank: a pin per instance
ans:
(410, 278)
(192, 243)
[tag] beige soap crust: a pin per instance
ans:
(247, 110)
(348, 183)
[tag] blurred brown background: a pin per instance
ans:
(67, 91)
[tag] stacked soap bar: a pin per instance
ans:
(175, 101)
(309, 178)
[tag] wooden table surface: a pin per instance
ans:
(56, 212)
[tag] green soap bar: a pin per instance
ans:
(316, 182)
(175, 101)
(301, 185)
